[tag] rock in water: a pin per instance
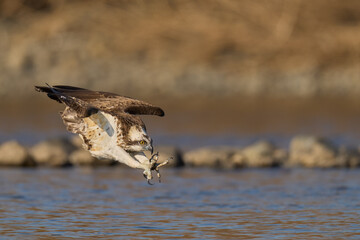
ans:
(310, 151)
(82, 157)
(13, 154)
(219, 157)
(263, 154)
(349, 157)
(76, 141)
(53, 152)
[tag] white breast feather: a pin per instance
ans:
(101, 132)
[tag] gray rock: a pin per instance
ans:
(310, 151)
(82, 157)
(263, 154)
(53, 153)
(13, 154)
(351, 157)
(219, 157)
(76, 141)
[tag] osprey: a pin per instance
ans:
(108, 125)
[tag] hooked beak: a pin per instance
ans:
(151, 147)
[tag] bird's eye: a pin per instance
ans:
(142, 142)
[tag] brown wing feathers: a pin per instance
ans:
(86, 101)
(82, 108)
(144, 110)
(47, 90)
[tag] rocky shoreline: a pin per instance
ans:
(304, 151)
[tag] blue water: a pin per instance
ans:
(117, 203)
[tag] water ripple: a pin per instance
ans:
(117, 203)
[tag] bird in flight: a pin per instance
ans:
(109, 125)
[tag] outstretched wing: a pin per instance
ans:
(103, 119)
(82, 108)
(107, 102)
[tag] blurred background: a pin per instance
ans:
(226, 72)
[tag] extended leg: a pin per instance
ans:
(157, 166)
(154, 157)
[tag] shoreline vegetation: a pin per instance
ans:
(304, 151)
(182, 48)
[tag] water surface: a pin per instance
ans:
(197, 121)
(117, 203)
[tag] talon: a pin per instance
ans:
(158, 175)
(153, 157)
(161, 164)
(150, 183)
(157, 166)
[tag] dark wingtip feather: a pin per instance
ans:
(145, 110)
(161, 112)
(49, 91)
(41, 89)
(66, 87)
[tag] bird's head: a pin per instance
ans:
(139, 141)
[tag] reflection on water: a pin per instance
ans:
(110, 203)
